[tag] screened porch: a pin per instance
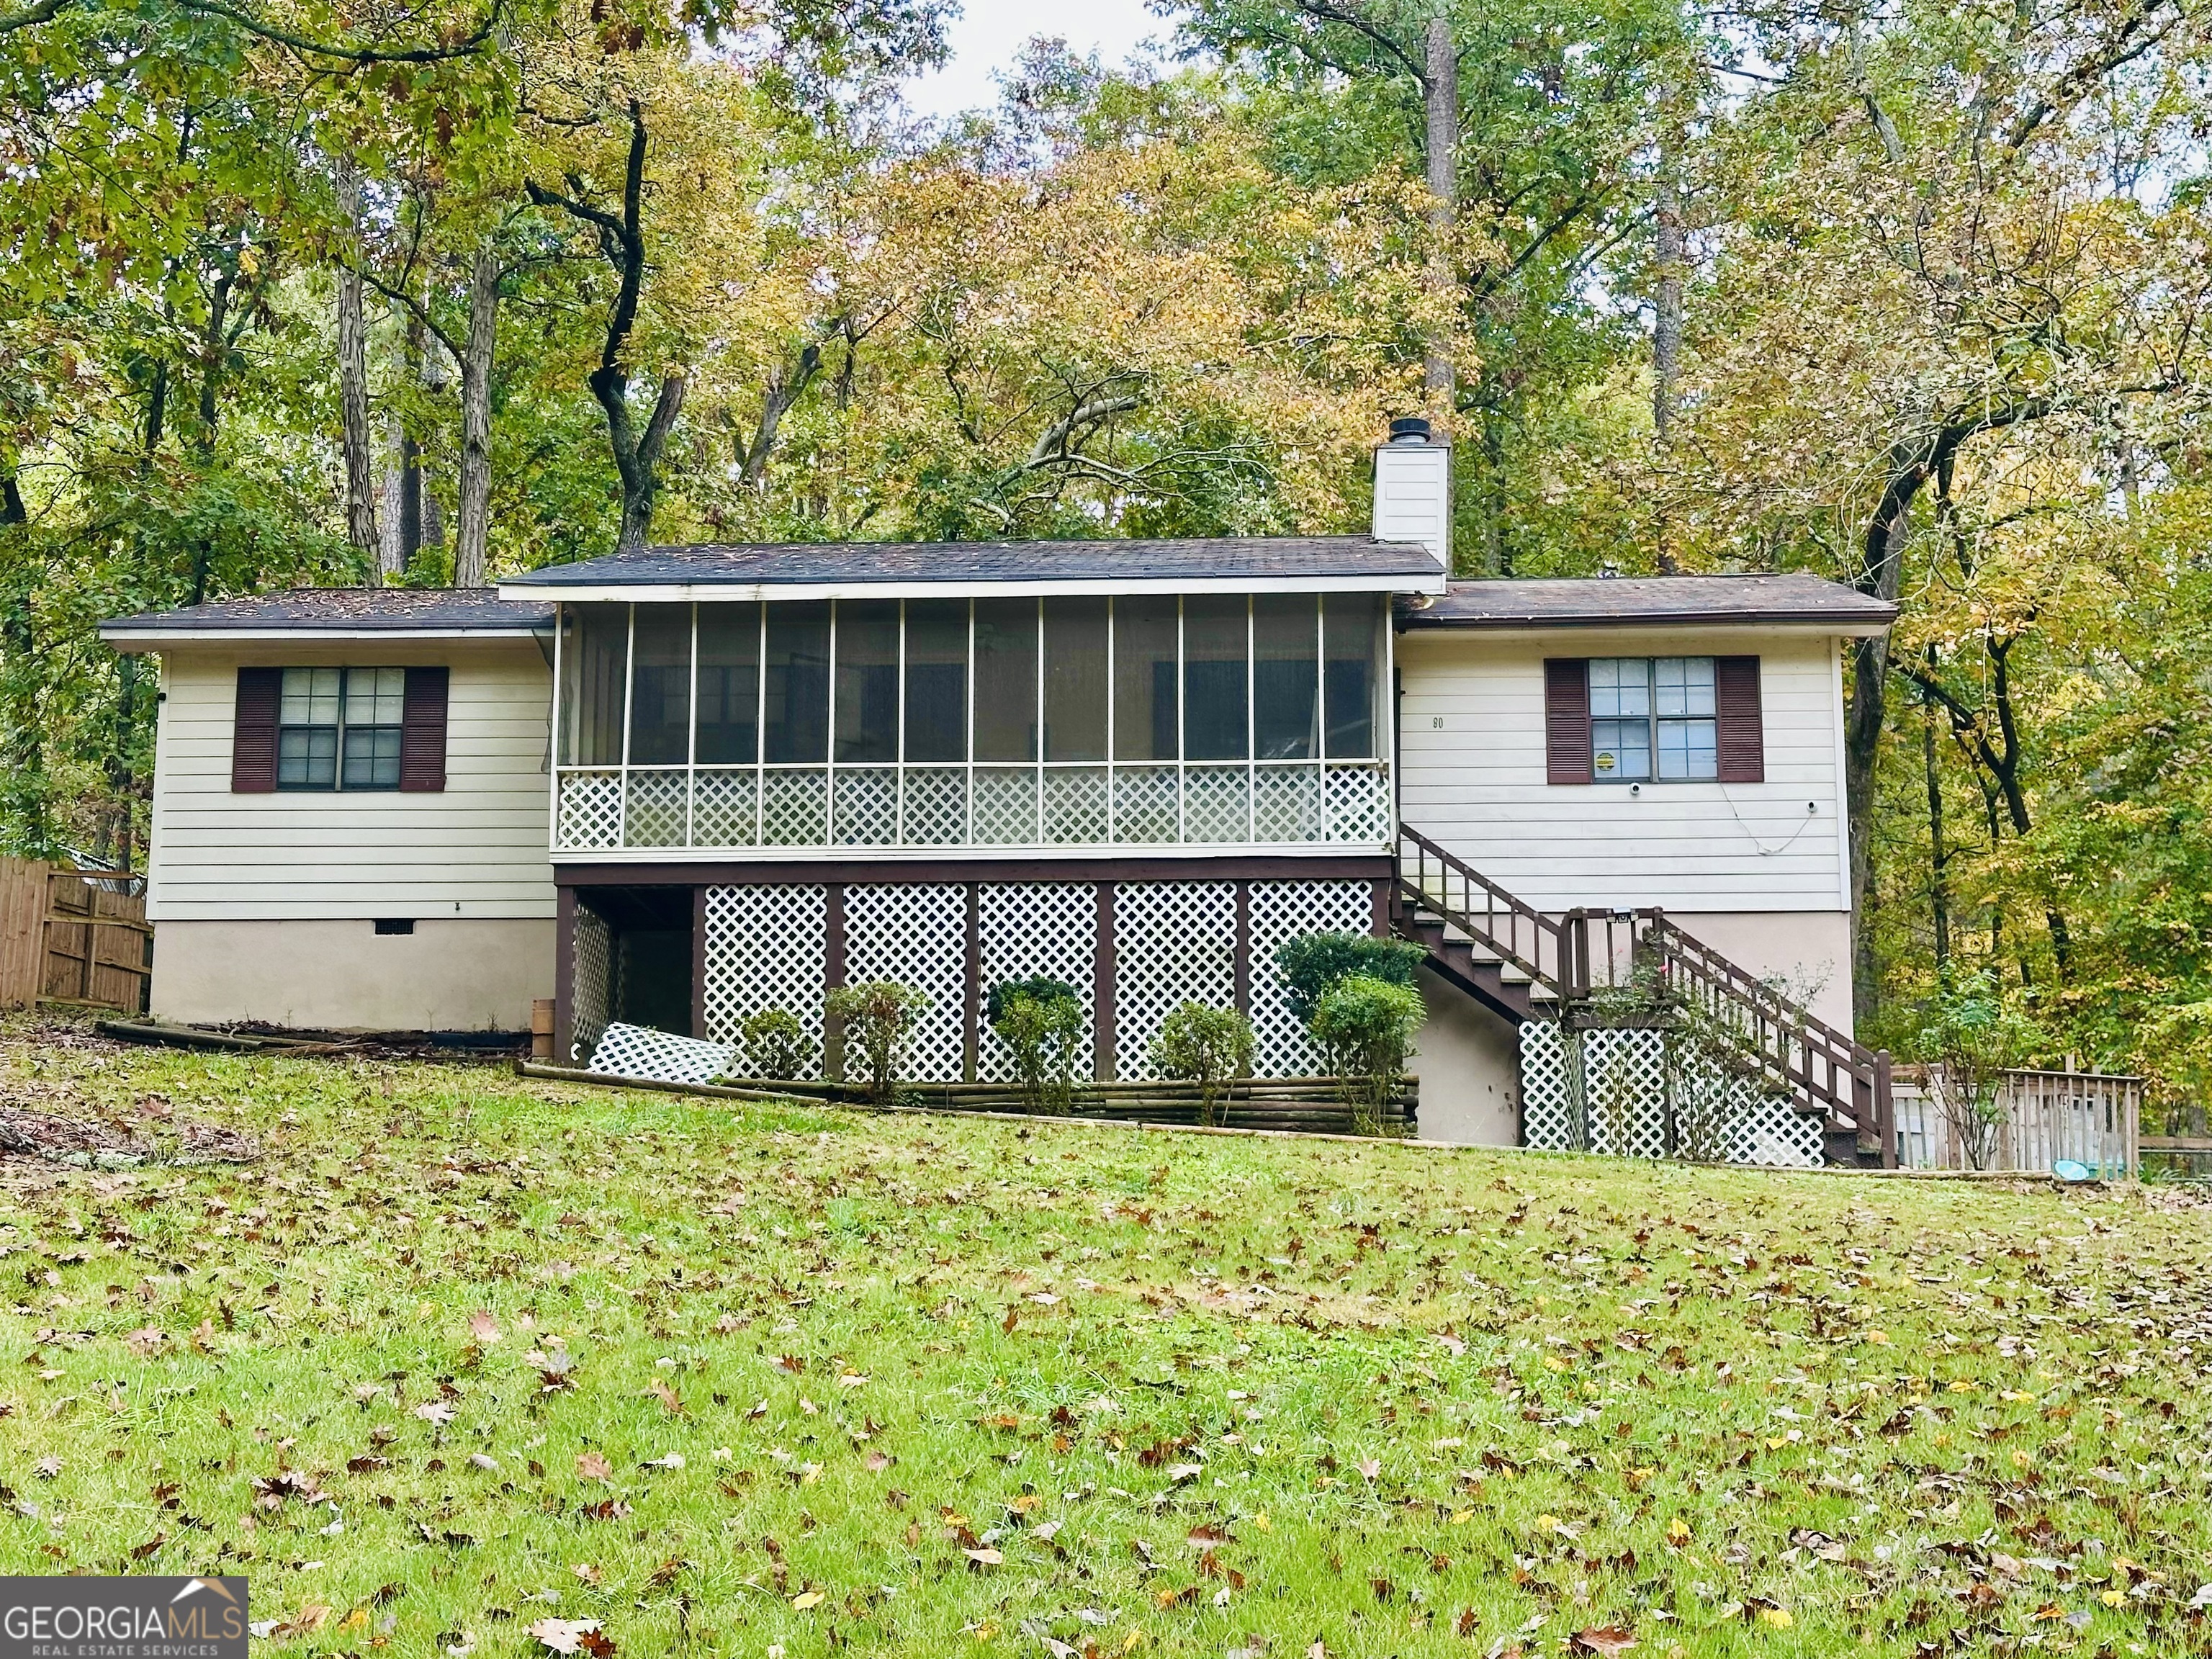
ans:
(1214, 720)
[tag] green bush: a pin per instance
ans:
(1365, 1026)
(1040, 988)
(777, 1046)
(1205, 1046)
(1311, 965)
(1041, 1023)
(878, 1018)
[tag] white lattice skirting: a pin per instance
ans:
(1626, 1081)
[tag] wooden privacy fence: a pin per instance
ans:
(2040, 1118)
(72, 936)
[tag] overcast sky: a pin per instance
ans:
(988, 34)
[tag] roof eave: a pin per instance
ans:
(682, 592)
(1796, 622)
(127, 637)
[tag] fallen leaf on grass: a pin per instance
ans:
(491, 1465)
(146, 1340)
(660, 1391)
(437, 1411)
(1607, 1642)
(588, 1573)
(564, 1635)
(483, 1326)
(986, 1556)
(593, 1465)
(809, 1599)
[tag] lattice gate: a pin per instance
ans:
(1626, 1086)
(592, 970)
(1037, 930)
(766, 947)
(1174, 942)
(916, 934)
(1280, 911)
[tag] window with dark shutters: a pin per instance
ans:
(422, 731)
(254, 731)
(1566, 719)
(1742, 734)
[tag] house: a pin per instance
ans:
(675, 787)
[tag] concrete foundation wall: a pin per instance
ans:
(1468, 1061)
(465, 975)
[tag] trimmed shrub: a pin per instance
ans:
(1041, 1023)
(1041, 989)
(1366, 1026)
(879, 1017)
(1309, 965)
(1205, 1046)
(777, 1046)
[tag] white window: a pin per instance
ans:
(1652, 717)
(338, 728)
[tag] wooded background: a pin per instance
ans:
(302, 291)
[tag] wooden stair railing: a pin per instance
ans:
(1572, 957)
(1516, 933)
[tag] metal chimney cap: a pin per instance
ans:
(1410, 429)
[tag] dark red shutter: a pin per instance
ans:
(422, 731)
(1566, 719)
(254, 731)
(1741, 730)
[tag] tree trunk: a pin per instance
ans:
(355, 438)
(621, 242)
(472, 539)
(1667, 309)
(1440, 95)
(1939, 853)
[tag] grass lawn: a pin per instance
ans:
(461, 1354)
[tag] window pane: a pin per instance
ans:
(936, 679)
(1683, 685)
(1075, 680)
(1213, 677)
(1687, 748)
(1145, 724)
(307, 757)
(796, 721)
(1006, 680)
(376, 696)
(372, 757)
(1619, 686)
(1621, 749)
(1286, 675)
(594, 655)
(660, 686)
(867, 680)
(729, 684)
(1353, 674)
(310, 697)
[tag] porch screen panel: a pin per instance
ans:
(1353, 675)
(660, 686)
(867, 681)
(594, 658)
(1215, 703)
(795, 720)
(1145, 726)
(729, 684)
(936, 681)
(1075, 680)
(1285, 677)
(1006, 680)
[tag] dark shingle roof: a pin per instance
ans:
(1254, 559)
(1647, 601)
(351, 609)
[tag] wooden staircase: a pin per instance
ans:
(1589, 968)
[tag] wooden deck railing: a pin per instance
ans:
(1573, 959)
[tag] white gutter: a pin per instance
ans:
(710, 591)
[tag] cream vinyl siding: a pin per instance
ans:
(477, 849)
(1472, 777)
